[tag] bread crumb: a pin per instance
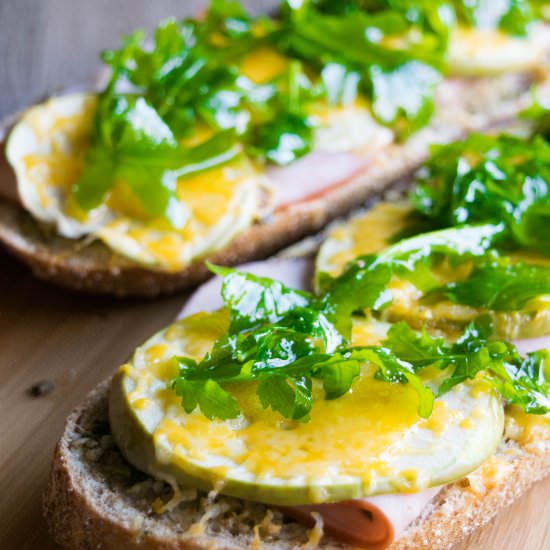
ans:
(199, 528)
(488, 475)
(179, 495)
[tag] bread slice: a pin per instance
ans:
(86, 265)
(95, 499)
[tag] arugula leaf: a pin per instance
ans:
(499, 286)
(286, 132)
(358, 50)
(494, 283)
(511, 16)
(252, 299)
(522, 381)
(498, 179)
(363, 285)
(420, 349)
(530, 383)
(392, 106)
(284, 339)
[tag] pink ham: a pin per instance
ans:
(313, 175)
(371, 523)
(533, 344)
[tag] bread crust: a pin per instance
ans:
(91, 267)
(84, 509)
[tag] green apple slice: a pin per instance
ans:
(369, 441)
(373, 231)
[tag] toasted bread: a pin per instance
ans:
(87, 265)
(95, 499)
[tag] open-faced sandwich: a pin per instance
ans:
(385, 408)
(229, 137)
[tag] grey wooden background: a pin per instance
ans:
(49, 44)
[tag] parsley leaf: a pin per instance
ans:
(284, 340)
(213, 400)
(498, 179)
(499, 286)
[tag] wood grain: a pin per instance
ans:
(75, 341)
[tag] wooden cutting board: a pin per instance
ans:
(75, 341)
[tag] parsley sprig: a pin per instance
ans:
(510, 16)
(283, 340)
(490, 179)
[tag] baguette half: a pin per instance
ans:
(95, 499)
(464, 106)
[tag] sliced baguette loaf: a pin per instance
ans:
(95, 499)
(463, 107)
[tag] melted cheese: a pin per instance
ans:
(489, 475)
(531, 431)
(263, 64)
(350, 127)
(47, 150)
(369, 441)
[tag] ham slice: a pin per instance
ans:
(371, 523)
(532, 344)
(313, 175)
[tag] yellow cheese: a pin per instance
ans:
(529, 430)
(480, 52)
(263, 64)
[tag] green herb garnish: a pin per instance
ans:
(136, 146)
(364, 282)
(377, 53)
(493, 283)
(499, 285)
(498, 179)
(283, 340)
(510, 16)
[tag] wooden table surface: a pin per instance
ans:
(74, 341)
